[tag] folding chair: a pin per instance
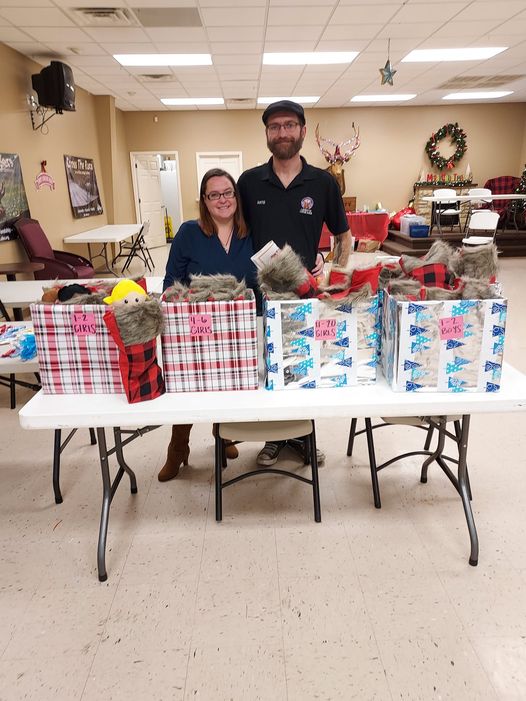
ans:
(446, 211)
(478, 202)
(136, 249)
(260, 431)
(481, 220)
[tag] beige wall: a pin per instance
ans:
(384, 168)
(74, 133)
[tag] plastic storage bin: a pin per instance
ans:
(408, 220)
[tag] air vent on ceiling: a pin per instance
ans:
(168, 16)
(478, 81)
(157, 78)
(237, 100)
(102, 16)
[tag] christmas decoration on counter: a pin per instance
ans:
(134, 321)
(343, 152)
(387, 72)
(44, 179)
(458, 137)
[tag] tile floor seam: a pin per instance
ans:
(196, 597)
(113, 598)
(366, 607)
(281, 617)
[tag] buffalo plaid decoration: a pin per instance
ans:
(141, 375)
(71, 363)
(434, 275)
(224, 360)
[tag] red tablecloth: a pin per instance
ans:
(363, 225)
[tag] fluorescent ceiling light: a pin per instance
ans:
(192, 101)
(382, 98)
(301, 100)
(488, 95)
(474, 53)
(163, 59)
(309, 57)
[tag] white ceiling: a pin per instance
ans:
(236, 32)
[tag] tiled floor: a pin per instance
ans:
(369, 604)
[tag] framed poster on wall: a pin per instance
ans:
(13, 200)
(82, 185)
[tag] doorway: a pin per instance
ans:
(157, 193)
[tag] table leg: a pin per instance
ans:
(17, 312)
(463, 483)
(122, 463)
(106, 503)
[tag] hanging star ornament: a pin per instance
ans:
(387, 73)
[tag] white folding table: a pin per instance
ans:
(21, 293)
(105, 236)
(113, 412)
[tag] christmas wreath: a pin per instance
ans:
(458, 137)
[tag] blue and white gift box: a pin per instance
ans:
(313, 343)
(444, 346)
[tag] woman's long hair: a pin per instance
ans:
(206, 222)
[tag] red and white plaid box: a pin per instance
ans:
(210, 346)
(76, 354)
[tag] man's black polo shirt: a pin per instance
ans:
(293, 215)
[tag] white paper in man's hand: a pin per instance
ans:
(265, 255)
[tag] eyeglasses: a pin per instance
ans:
(276, 128)
(227, 194)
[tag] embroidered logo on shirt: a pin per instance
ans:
(261, 202)
(307, 203)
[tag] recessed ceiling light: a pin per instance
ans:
(382, 98)
(301, 100)
(487, 95)
(308, 57)
(475, 53)
(163, 59)
(190, 101)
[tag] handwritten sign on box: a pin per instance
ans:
(451, 327)
(200, 325)
(83, 324)
(325, 330)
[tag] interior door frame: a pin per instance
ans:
(161, 152)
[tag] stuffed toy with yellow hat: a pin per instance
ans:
(134, 320)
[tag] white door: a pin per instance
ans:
(229, 161)
(148, 182)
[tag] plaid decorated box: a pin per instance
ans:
(444, 346)
(76, 354)
(209, 346)
(311, 343)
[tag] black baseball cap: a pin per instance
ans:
(283, 106)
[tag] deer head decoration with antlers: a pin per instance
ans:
(342, 153)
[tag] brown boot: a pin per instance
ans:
(178, 452)
(230, 447)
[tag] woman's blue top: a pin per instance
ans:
(194, 253)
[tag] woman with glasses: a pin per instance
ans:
(216, 243)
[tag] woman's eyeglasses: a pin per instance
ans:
(227, 194)
(276, 128)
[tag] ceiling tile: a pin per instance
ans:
(124, 34)
(363, 14)
(46, 34)
(282, 33)
(419, 12)
(239, 88)
(234, 47)
(171, 34)
(12, 34)
(292, 46)
(350, 32)
(36, 17)
(234, 16)
(233, 33)
(490, 10)
(279, 16)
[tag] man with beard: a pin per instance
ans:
(286, 200)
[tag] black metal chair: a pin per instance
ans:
(427, 423)
(136, 249)
(266, 431)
